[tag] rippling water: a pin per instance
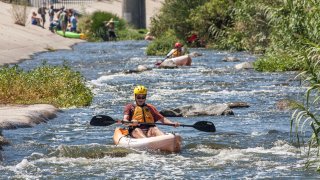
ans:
(254, 143)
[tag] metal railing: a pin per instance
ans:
(57, 4)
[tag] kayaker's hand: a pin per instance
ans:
(134, 123)
(176, 124)
(126, 122)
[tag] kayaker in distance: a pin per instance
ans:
(177, 51)
(140, 112)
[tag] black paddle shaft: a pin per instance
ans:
(103, 120)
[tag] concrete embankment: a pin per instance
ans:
(20, 116)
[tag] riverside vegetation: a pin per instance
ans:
(56, 85)
(284, 33)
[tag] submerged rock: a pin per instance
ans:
(139, 69)
(90, 151)
(238, 105)
(198, 110)
(195, 54)
(230, 59)
(285, 104)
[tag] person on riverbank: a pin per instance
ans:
(149, 37)
(42, 12)
(35, 20)
(111, 30)
(63, 20)
(73, 22)
(140, 112)
(177, 51)
(51, 13)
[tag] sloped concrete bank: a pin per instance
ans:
(22, 116)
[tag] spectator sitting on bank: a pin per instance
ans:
(54, 25)
(35, 20)
(149, 37)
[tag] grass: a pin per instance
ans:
(56, 85)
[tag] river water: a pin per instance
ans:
(254, 143)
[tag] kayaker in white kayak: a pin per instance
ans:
(140, 112)
(177, 51)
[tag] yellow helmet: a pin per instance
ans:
(140, 90)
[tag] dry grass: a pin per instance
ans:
(19, 12)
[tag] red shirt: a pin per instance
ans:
(129, 110)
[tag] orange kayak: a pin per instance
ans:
(168, 142)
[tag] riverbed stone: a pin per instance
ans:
(198, 110)
(244, 65)
(16, 116)
(238, 105)
(230, 59)
(195, 54)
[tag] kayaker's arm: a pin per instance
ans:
(167, 121)
(170, 53)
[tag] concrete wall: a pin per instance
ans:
(134, 11)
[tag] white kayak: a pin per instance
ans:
(184, 60)
(168, 142)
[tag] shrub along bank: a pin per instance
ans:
(56, 85)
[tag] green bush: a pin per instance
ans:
(56, 85)
(131, 34)
(162, 45)
(278, 62)
(94, 25)
(173, 15)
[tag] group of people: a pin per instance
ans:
(66, 19)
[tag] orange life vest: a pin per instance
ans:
(177, 53)
(143, 114)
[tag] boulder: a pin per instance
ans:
(230, 59)
(198, 110)
(238, 105)
(244, 65)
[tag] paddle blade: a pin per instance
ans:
(102, 120)
(205, 126)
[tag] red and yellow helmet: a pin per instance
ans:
(178, 45)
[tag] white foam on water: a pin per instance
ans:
(23, 164)
(252, 156)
